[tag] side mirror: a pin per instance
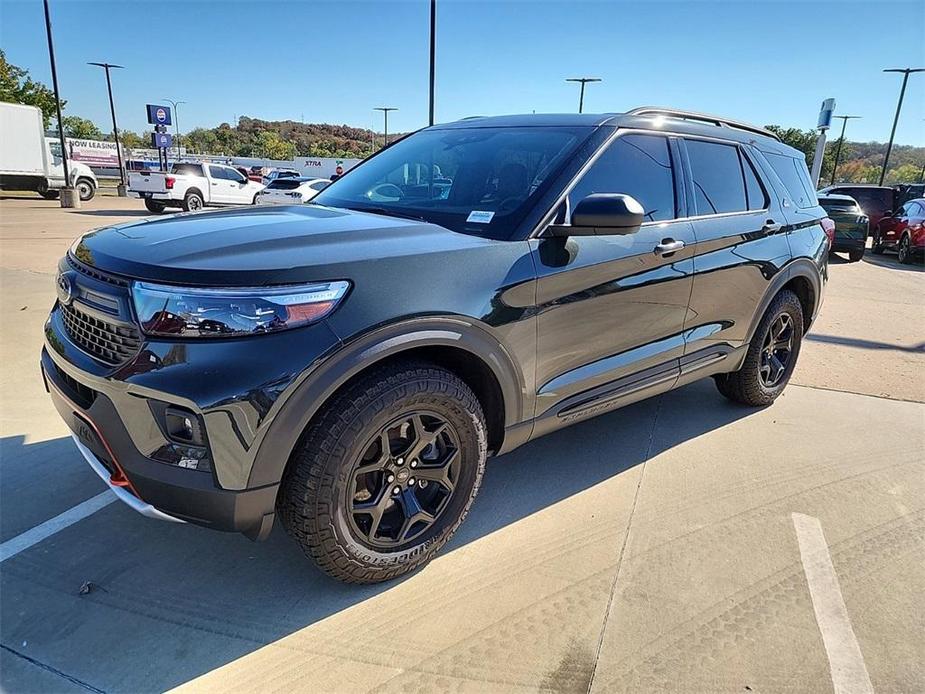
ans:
(602, 214)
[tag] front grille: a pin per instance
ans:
(77, 391)
(110, 343)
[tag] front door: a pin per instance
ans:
(611, 309)
(221, 185)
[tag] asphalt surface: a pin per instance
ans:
(680, 544)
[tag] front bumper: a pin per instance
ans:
(151, 487)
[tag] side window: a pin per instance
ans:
(217, 172)
(755, 193)
(717, 173)
(637, 165)
(235, 175)
(792, 174)
(319, 185)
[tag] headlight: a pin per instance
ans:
(233, 311)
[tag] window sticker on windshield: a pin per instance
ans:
(480, 217)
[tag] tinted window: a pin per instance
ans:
(637, 165)
(319, 185)
(217, 172)
(872, 200)
(475, 180)
(187, 169)
(235, 175)
(754, 191)
(792, 173)
(717, 174)
(285, 184)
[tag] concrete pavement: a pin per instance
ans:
(651, 549)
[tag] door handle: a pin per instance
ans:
(215, 184)
(770, 227)
(669, 246)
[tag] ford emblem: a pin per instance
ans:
(66, 288)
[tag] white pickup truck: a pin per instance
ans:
(192, 186)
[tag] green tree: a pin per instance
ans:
(907, 173)
(18, 88)
(269, 145)
(81, 128)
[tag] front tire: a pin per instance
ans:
(85, 189)
(855, 256)
(876, 246)
(905, 250)
(386, 472)
(771, 356)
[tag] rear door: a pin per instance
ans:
(741, 245)
(612, 308)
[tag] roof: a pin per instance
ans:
(645, 118)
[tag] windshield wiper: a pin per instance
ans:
(388, 212)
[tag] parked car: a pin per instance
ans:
(903, 231)
(851, 225)
(906, 192)
(274, 174)
(192, 186)
(30, 161)
(255, 173)
(350, 364)
(291, 191)
(875, 201)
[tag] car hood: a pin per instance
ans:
(261, 245)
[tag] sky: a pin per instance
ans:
(333, 62)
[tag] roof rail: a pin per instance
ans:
(701, 118)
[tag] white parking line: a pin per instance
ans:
(846, 663)
(33, 536)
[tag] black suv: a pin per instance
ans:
(350, 364)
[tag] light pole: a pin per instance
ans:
(176, 122)
(841, 139)
(902, 92)
(385, 112)
(68, 197)
(433, 46)
(581, 96)
(115, 128)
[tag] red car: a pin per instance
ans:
(904, 230)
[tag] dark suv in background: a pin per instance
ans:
(350, 364)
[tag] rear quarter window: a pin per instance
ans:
(793, 174)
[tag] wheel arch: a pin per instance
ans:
(460, 346)
(803, 278)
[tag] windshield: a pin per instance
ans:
(829, 203)
(479, 181)
(286, 184)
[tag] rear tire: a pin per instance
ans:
(855, 256)
(324, 490)
(764, 374)
(192, 202)
(154, 206)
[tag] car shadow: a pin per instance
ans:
(863, 344)
(222, 596)
(891, 261)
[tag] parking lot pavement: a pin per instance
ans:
(655, 548)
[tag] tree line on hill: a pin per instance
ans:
(860, 162)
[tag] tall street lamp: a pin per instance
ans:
(841, 139)
(176, 122)
(385, 112)
(68, 196)
(115, 128)
(902, 92)
(581, 96)
(433, 45)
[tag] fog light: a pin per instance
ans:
(183, 426)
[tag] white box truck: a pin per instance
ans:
(27, 161)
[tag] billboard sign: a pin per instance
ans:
(158, 115)
(161, 140)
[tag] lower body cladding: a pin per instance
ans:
(154, 488)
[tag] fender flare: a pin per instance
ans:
(799, 267)
(316, 388)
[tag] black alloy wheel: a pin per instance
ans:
(403, 480)
(905, 250)
(776, 351)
